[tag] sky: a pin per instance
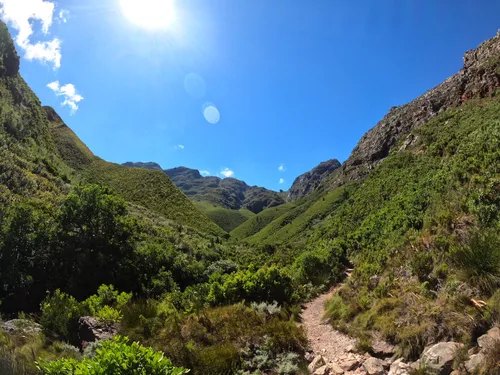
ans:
(258, 90)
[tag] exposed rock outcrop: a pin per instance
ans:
(310, 181)
(438, 359)
(21, 325)
(479, 77)
(91, 329)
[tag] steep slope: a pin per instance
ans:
(477, 79)
(310, 181)
(149, 188)
(228, 192)
(29, 165)
(225, 218)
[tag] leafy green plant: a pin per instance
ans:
(60, 313)
(117, 357)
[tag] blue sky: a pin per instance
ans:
(295, 82)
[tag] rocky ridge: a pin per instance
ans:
(226, 192)
(308, 182)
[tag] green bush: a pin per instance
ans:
(480, 260)
(115, 357)
(60, 313)
(107, 304)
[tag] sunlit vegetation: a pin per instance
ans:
(83, 237)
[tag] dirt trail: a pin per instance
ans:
(333, 345)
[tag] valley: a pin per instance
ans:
(132, 269)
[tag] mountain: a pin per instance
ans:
(149, 188)
(309, 181)
(228, 192)
(227, 202)
(415, 211)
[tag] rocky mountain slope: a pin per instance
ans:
(478, 78)
(229, 192)
(309, 181)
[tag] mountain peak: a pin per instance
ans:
(308, 182)
(9, 60)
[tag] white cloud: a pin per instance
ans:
(226, 172)
(282, 181)
(181, 147)
(68, 92)
(205, 173)
(20, 14)
(63, 16)
(282, 168)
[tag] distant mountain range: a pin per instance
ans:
(228, 192)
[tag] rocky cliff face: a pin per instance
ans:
(479, 77)
(310, 181)
(228, 192)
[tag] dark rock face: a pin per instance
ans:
(147, 165)
(9, 60)
(52, 115)
(310, 181)
(479, 77)
(228, 192)
(90, 329)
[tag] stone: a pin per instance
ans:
(91, 329)
(309, 357)
(488, 340)
(474, 362)
(350, 364)
(382, 349)
(21, 325)
(323, 370)
(316, 363)
(336, 369)
(374, 366)
(398, 367)
(438, 358)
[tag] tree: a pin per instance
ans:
(96, 240)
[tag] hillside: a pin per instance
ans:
(308, 182)
(407, 230)
(416, 213)
(149, 188)
(229, 192)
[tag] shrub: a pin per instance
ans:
(480, 260)
(116, 357)
(107, 304)
(60, 313)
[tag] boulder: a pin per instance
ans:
(398, 367)
(438, 358)
(350, 364)
(374, 366)
(474, 362)
(21, 325)
(309, 357)
(486, 341)
(323, 370)
(91, 329)
(335, 369)
(316, 363)
(382, 349)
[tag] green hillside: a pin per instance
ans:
(149, 188)
(260, 221)
(225, 218)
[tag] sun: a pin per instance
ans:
(150, 14)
